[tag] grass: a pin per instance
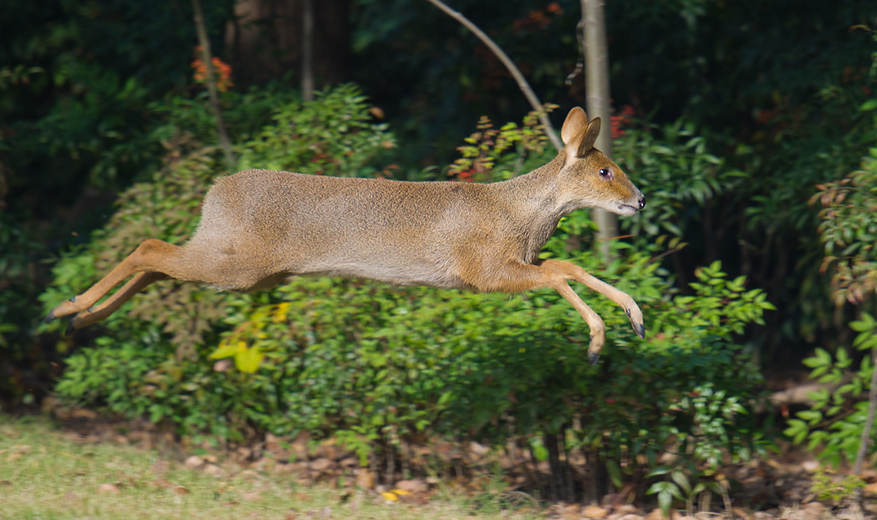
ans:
(45, 474)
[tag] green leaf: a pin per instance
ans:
(227, 350)
(681, 480)
(614, 472)
(871, 104)
(248, 360)
(821, 357)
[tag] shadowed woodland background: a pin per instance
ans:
(742, 122)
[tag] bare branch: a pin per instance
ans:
(206, 57)
(307, 51)
(509, 64)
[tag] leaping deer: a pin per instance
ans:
(259, 226)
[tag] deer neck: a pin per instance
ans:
(535, 205)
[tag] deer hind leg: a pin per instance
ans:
(95, 314)
(571, 271)
(153, 259)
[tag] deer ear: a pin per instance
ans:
(590, 137)
(575, 122)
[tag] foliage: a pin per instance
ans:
(18, 309)
(837, 419)
(833, 424)
(671, 163)
(525, 147)
(679, 487)
(849, 230)
(336, 137)
(804, 132)
(834, 490)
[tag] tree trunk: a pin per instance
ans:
(597, 102)
(267, 41)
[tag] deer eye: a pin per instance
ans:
(606, 173)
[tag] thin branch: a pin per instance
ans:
(307, 51)
(872, 410)
(206, 57)
(519, 78)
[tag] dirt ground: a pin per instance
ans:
(779, 487)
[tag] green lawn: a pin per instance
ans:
(46, 474)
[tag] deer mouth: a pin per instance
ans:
(626, 210)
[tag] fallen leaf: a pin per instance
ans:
(180, 490)
(365, 479)
(108, 488)
(213, 469)
(160, 467)
(413, 485)
(390, 496)
(194, 462)
(594, 512)
(321, 464)
(162, 483)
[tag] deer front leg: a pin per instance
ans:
(516, 277)
(571, 271)
(594, 321)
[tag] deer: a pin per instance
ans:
(259, 227)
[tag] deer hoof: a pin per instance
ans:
(640, 330)
(593, 357)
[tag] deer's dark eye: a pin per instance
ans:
(606, 173)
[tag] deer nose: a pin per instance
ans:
(642, 202)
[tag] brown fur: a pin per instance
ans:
(259, 226)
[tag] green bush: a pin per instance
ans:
(837, 419)
(833, 425)
(376, 365)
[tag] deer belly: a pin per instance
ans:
(386, 270)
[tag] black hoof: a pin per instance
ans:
(70, 328)
(50, 318)
(640, 330)
(593, 357)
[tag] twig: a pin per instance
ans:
(307, 51)
(509, 64)
(866, 432)
(211, 85)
